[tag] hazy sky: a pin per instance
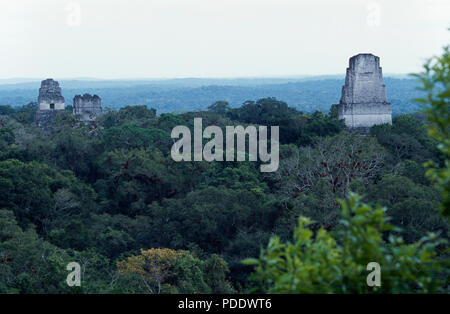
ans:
(214, 38)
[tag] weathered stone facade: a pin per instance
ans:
(87, 106)
(50, 97)
(50, 103)
(363, 102)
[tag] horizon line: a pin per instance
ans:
(299, 76)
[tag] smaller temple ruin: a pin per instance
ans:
(50, 102)
(363, 102)
(88, 107)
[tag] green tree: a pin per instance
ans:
(130, 180)
(171, 271)
(412, 207)
(45, 197)
(139, 115)
(406, 139)
(7, 137)
(27, 263)
(336, 160)
(220, 107)
(435, 80)
(335, 262)
(129, 136)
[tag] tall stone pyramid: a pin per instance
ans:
(50, 102)
(50, 97)
(363, 102)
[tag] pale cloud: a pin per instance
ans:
(226, 38)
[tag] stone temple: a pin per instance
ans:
(88, 107)
(50, 97)
(50, 102)
(363, 102)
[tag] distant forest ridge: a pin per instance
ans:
(307, 94)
